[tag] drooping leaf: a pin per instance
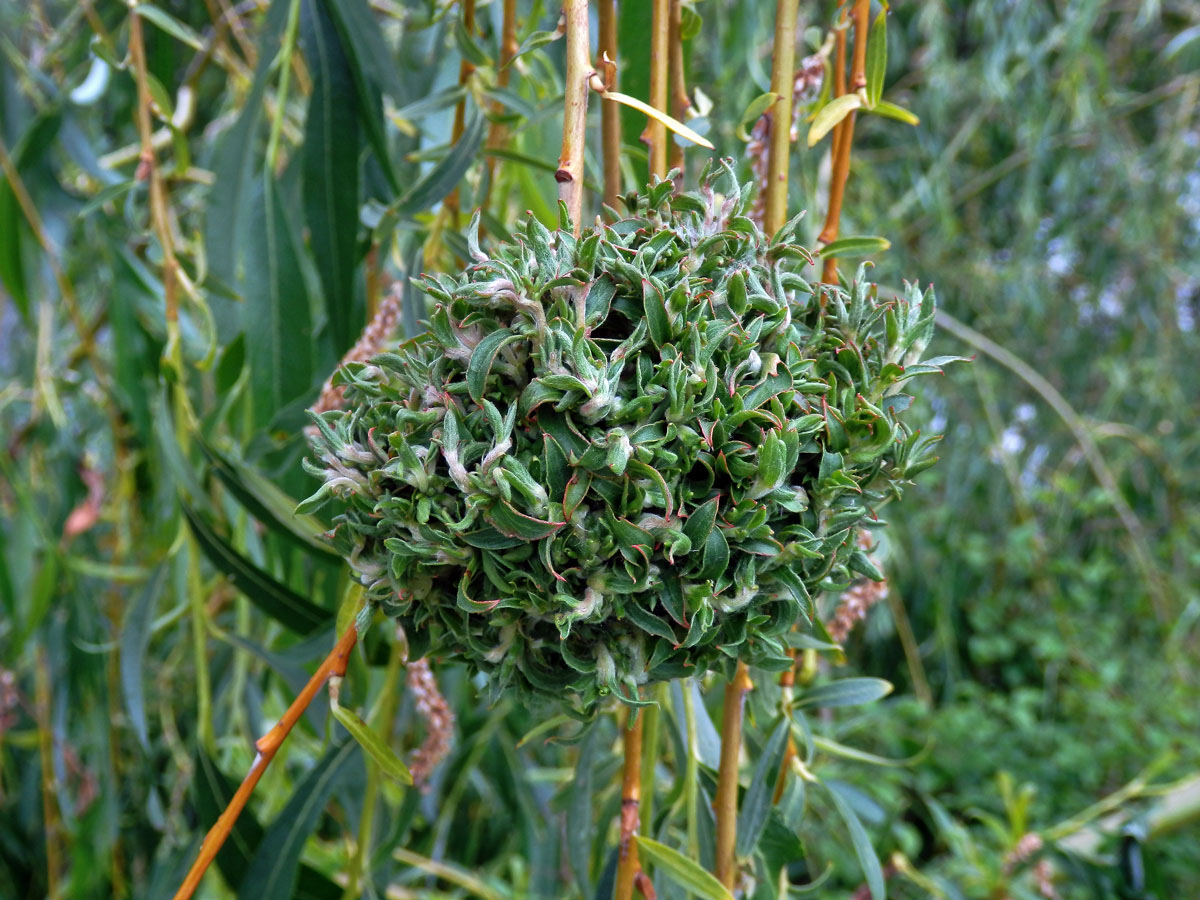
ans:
(846, 692)
(892, 111)
(384, 756)
(330, 160)
(279, 344)
(831, 114)
(274, 870)
(877, 57)
(685, 872)
(170, 25)
(135, 636)
(861, 841)
(752, 817)
(658, 115)
(854, 246)
(275, 599)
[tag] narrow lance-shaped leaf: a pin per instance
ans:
(861, 841)
(846, 692)
(752, 818)
(330, 170)
(877, 57)
(274, 870)
(384, 756)
(854, 246)
(658, 115)
(683, 871)
(831, 114)
(892, 111)
(275, 599)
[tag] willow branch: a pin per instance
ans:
(727, 776)
(783, 78)
(631, 795)
(844, 133)
(465, 70)
(680, 103)
(610, 113)
(655, 134)
(570, 163)
(498, 132)
(267, 746)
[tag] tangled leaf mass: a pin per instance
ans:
(627, 457)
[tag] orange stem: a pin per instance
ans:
(267, 746)
(610, 114)
(844, 133)
(628, 866)
(727, 776)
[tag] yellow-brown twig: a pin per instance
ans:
(569, 174)
(844, 133)
(631, 795)
(267, 746)
(727, 776)
(655, 134)
(783, 81)
(680, 103)
(465, 70)
(610, 113)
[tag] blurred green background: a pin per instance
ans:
(1041, 628)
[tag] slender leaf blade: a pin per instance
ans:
(384, 756)
(831, 114)
(685, 872)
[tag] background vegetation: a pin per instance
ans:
(164, 326)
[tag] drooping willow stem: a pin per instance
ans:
(498, 132)
(610, 113)
(655, 134)
(570, 163)
(680, 103)
(783, 77)
(843, 135)
(727, 775)
(267, 746)
(631, 796)
(465, 69)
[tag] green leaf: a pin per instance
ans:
(867, 857)
(670, 122)
(135, 637)
(279, 341)
(275, 599)
(535, 40)
(468, 46)
(266, 502)
(854, 246)
(384, 756)
(330, 173)
(892, 111)
(752, 817)
(508, 521)
(227, 216)
(211, 790)
(831, 114)
(877, 57)
(482, 358)
(754, 111)
(701, 521)
(439, 181)
(579, 814)
(170, 25)
(846, 692)
(276, 865)
(373, 68)
(657, 319)
(688, 874)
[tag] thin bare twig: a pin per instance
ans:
(570, 162)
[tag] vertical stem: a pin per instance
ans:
(285, 72)
(570, 163)
(844, 134)
(655, 133)
(51, 824)
(610, 113)
(268, 745)
(650, 757)
(465, 68)
(631, 795)
(691, 772)
(727, 776)
(508, 50)
(783, 78)
(912, 653)
(679, 97)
